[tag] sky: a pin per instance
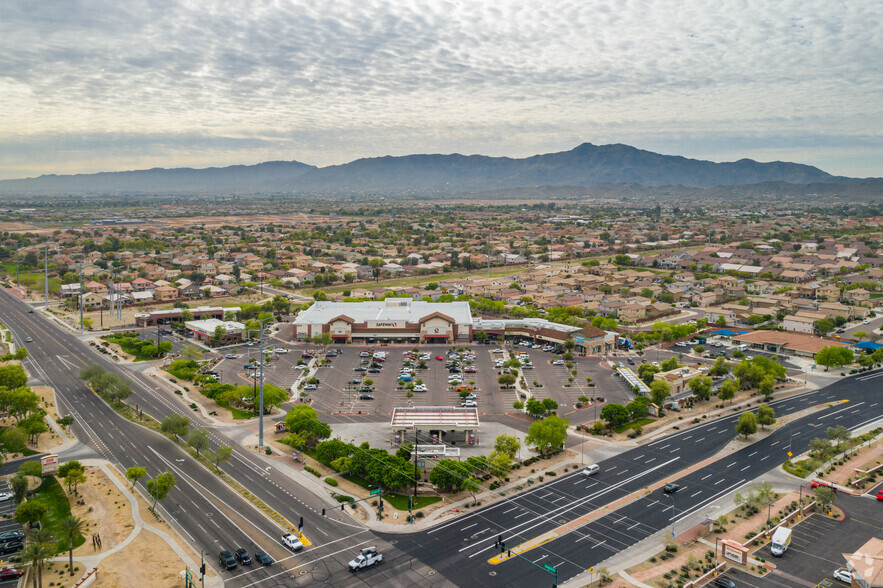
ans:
(88, 86)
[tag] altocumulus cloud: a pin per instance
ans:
(96, 85)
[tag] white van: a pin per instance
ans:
(742, 347)
(590, 470)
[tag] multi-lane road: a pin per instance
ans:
(210, 515)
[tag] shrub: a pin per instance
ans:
(331, 482)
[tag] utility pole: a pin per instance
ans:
(415, 463)
(46, 273)
(82, 326)
(488, 253)
(17, 285)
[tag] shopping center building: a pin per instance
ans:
(394, 320)
(403, 320)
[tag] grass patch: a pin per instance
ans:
(33, 280)
(131, 344)
(51, 494)
(801, 468)
(359, 482)
(633, 424)
(27, 452)
(400, 502)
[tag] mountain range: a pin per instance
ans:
(584, 166)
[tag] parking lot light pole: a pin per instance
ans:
(673, 513)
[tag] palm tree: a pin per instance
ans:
(31, 554)
(46, 548)
(73, 526)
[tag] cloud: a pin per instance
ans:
(328, 82)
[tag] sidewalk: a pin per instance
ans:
(93, 561)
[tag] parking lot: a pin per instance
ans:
(817, 543)
(6, 526)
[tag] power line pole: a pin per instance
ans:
(82, 326)
(17, 285)
(261, 413)
(46, 274)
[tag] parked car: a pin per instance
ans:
(355, 381)
(360, 369)
(468, 403)
(420, 388)
(631, 361)
(469, 396)
(843, 575)
(724, 582)
(243, 557)
(880, 495)
(374, 371)
(226, 559)
(671, 488)
(230, 356)
(364, 354)
(11, 573)
(366, 389)
(366, 397)
(470, 369)
(4, 496)
(820, 484)
(311, 387)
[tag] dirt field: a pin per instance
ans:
(148, 561)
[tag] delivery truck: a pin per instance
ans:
(781, 541)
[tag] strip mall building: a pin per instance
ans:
(400, 320)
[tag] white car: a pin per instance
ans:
(843, 575)
(291, 542)
(4, 496)
(230, 356)
(497, 350)
(280, 350)
(420, 388)
(558, 362)
(469, 404)
(300, 366)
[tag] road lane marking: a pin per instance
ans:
(706, 476)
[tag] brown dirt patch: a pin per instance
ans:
(864, 459)
(105, 510)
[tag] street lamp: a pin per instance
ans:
(261, 410)
(673, 513)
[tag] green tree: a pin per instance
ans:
(176, 424)
(36, 553)
(135, 473)
(19, 486)
(834, 357)
(824, 326)
(72, 527)
(508, 444)
(670, 364)
(728, 389)
(821, 448)
(29, 512)
(720, 368)
(659, 392)
(824, 497)
(13, 376)
(35, 468)
(74, 478)
(328, 451)
(14, 440)
(448, 473)
(549, 433)
(646, 371)
(549, 404)
(191, 352)
(839, 435)
(534, 407)
(638, 408)
(615, 414)
(198, 440)
(220, 455)
(767, 385)
(159, 488)
(303, 421)
(747, 424)
(506, 380)
(766, 416)
(217, 336)
(701, 387)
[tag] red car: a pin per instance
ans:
(880, 495)
(11, 573)
(439, 357)
(818, 484)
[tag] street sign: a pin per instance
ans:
(549, 568)
(591, 570)
(376, 492)
(790, 454)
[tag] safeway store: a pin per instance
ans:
(394, 320)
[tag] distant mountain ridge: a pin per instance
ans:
(586, 165)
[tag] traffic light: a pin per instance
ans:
(202, 570)
(300, 525)
(341, 506)
(323, 512)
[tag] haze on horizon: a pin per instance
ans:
(104, 86)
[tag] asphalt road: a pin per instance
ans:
(461, 548)
(210, 515)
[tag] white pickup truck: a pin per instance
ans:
(366, 558)
(292, 542)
